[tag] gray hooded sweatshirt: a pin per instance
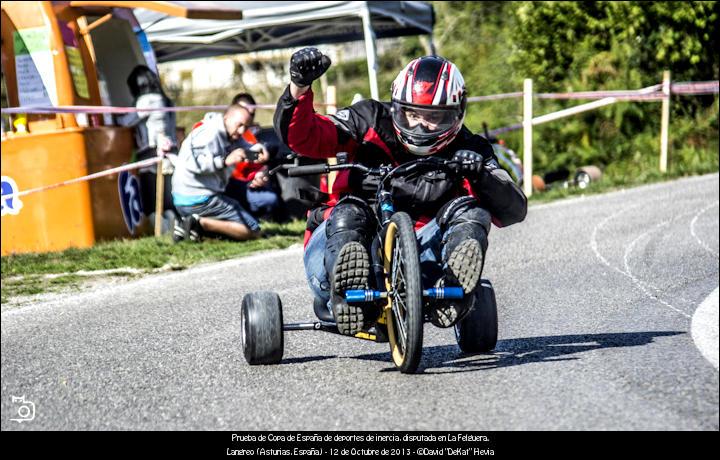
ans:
(200, 169)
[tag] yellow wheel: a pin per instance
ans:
(404, 286)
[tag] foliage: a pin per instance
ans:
(581, 46)
(614, 43)
(576, 46)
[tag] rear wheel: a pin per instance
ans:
(477, 333)
(261, 328)
(404, 285)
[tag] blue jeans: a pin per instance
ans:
(429, 239)
(221, 207)
(258, 201)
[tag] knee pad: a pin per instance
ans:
(465, 209)
(351, 220)
(462, 219)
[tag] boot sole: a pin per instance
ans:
(192, 228)
(178, 232)
(352, 270)
(465, 264)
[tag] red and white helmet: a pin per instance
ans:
(428, 104)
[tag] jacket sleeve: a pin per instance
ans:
(500, 195)
(495, 188)
(304, 131)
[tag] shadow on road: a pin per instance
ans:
(307, 359)
(515, 352)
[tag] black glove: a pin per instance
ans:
(470, 162)
(307, 65)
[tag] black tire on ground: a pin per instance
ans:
(478, 332)
(261, 328)
(402, 244)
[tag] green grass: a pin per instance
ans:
(645, 170)
(608, 185)
(37, 284)
(23, 274)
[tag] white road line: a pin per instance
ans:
(593, 238)
(641, 284)
(594, 247)
(704, 328)
(692, 229)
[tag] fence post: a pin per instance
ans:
(331, 100)
(527, 136)
(665, 121)
(159, 197)
(331, 109)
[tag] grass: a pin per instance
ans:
(26, 274)
(38, 284)
(606, 185)
(634, 173)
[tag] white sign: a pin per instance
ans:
(11, 204)
(34, 67)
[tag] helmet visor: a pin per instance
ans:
(424, 122)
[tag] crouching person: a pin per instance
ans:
(205, 163)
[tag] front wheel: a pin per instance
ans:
(261, 328)
(404, 284)
(478, 331)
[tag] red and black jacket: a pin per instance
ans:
(365, 131)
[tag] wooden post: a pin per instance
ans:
(665, 122)
(159, 197)
(331, 109)
(527, 136)
(331, 100)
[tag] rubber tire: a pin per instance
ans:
(261, 328)
(478, 331)
(405, 235)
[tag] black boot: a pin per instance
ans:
(352, 271)
(463, 269)
(347, 260)
(464, 256)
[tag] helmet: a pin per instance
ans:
(428, 104)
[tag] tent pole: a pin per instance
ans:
(371, 52)
(428, 44)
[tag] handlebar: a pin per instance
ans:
(387, 171)
(309, 170)
(294, 171)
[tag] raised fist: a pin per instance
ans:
(307, 65)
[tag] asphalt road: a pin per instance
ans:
(596, 297)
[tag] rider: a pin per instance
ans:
(452, 214)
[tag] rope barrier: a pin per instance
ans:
(651, 93)
(494, 97)
(96, 109)
(108, 172)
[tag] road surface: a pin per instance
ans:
(597, 330)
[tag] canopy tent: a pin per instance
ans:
(274, 25)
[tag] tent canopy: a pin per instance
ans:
(276, 25)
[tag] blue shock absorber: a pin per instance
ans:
(444, 293)
(361, 295)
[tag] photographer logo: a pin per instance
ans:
(25, 409)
